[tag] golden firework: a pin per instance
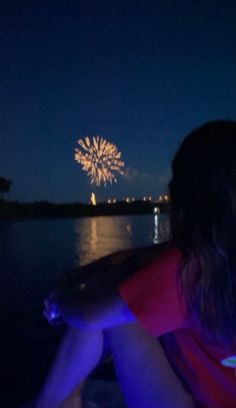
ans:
(100, 159)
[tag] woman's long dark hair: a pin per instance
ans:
(203, 222)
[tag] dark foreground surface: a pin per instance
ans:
(103, 394)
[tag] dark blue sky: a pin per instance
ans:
(142, 74)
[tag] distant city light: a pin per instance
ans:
(164, 197)
(148, 199)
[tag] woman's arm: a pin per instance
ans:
(93, 302)
(88, 311)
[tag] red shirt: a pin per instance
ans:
(151, 295)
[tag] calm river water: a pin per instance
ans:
(33, 256)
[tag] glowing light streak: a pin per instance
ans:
(100, 159)
(93, 200)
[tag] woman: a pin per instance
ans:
(182, 293)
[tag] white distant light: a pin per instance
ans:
(156, 210)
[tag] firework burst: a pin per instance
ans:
(100, 159)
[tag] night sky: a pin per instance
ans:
(142, 74)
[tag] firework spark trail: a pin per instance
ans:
(100, 159)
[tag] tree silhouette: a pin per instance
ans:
(5, 186)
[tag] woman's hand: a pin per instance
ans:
(71, 304)
(52, 303)
(51, 308)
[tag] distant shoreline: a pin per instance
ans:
(41, 209)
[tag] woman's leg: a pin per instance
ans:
(143, 371)
(79, 353)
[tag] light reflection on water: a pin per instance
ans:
(100, 236)
(34, 254)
